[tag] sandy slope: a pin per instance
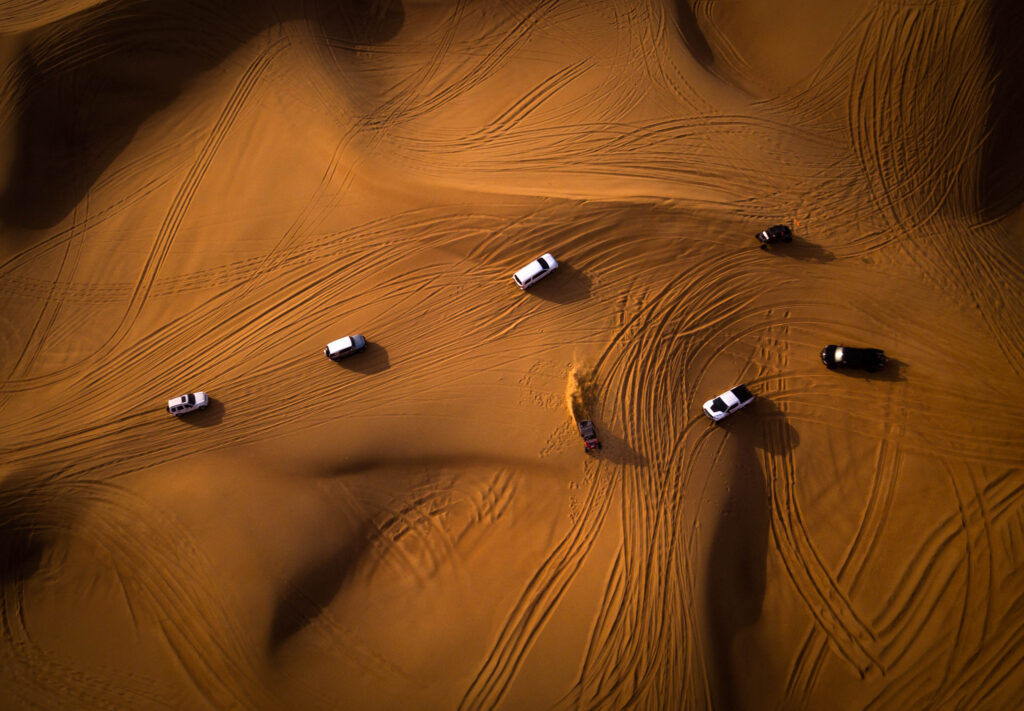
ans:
(200, 195)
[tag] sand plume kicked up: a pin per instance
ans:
(199, 196)
(581, 392)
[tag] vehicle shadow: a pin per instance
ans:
(209, 416)
(894, 371)
(615, 449)
(803, 250)
(87, 82)
(565, 286)
(736, 570)
(763, 425)
(372, 360)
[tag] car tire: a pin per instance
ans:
(764, 246)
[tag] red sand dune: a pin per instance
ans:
(200, 195)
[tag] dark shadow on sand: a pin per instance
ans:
(802, 250)
(209, 416)
(894, 371)
(33, 510)
(88, 82)
(764, 426)
(565, 286)
(1000, 179)
(311, 591)
(693, 37)
(372, 360)
(614, 448)
(737, 563)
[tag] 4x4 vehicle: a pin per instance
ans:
(869, 359)
(344, 347)
(535, 271)
(774, 235)
(589, 434)
(728, 402)
(187, 403)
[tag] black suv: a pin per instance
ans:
(869, 359)
(774, 235)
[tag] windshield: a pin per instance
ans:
(717, 405)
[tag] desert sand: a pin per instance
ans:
(200, 195)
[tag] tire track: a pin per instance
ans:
(808, 663)
(25, 660)
(629, 634)
(168, 229)
(537, 603)
(44, 323)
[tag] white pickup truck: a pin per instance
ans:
(728, 402)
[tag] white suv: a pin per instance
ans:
(187, 403)
(344, 347)
(728, 402)
(535, 271)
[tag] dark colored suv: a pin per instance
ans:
(774, 235)
(869, 359)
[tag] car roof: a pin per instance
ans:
(529, 271)
(340, 344)
(184, 399)
(534, 268)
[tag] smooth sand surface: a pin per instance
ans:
(200, 195)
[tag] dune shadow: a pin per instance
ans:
(737, 558)
(1000, 180)
(693, 37)
(32, 512)
(565, 286)
(894, 371)
(311, 591)
(372, 360)
(209, 416)
(88, 82)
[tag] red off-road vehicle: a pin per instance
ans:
(589, 434)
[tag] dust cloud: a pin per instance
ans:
(198, 196)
